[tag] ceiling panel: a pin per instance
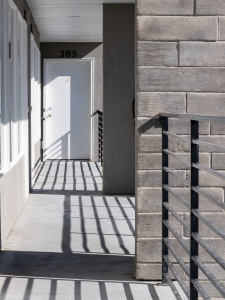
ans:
(70, 20)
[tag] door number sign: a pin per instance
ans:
(68, 53)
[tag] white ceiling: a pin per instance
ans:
(70, 20)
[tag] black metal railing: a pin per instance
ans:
(195, 287)
(100, 136)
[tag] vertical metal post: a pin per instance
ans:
(194, 181)
(165, 179)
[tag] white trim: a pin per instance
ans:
(91, 104)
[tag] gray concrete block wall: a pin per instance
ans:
(180, 68)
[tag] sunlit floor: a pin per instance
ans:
(69, 175)
(74, 247)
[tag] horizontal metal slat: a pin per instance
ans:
(202, 118)
(200, 289)
(177, 156)
(208, 170)
(210, 251)
(209, 275)
(177, 136)
(177, 236)
(211, 225)
(177, 176)
(177, 276)
(175, 214)
(209, 197)
(200, 143)
(176, 255)
(172, 192)
(172, 286)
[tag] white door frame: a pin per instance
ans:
(91, 104)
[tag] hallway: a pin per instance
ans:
(66, 247)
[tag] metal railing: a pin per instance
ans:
(100, 136)
(195, 288)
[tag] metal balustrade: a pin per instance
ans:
(100, 136)
(195, 288)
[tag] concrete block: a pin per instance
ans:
(165, 7)
(153, 161)
(218, 245)
(149, 200)
(148, 126)
(157, 54)
(151, 104)
(150, 250)
(207, 180)
(217, 128)
(211, 290)
(183, 79)
(153, 271)
(204, 231)
(178, 126)
(210, 8)
(200, 54)
(218, 161)
(149, 178)
(204, 204)
(213, 139)
(153, 144)
(217, 271)
(177, 28)
(150, 225)
(176, 145)
(148, 271)
(206, 104)
(154, 179)
(222, 28)
(150, 143)
(149, 161)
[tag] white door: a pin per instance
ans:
(67, 109)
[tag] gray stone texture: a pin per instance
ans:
(150, 225)
(154, 179)
(151, 104)
(148, 126)
(208, 7)
(217, 128)
(212, 104)
(150, 200)
(196, 85)
(157, 54)
(222, 28)
(218, 161)
(177, 28)
(184, 79)
(165, 7)
(155, 244)
(119, 93)
(153, 161)
(200, 54)
(84, 50)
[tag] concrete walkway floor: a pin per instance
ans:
(74, 247)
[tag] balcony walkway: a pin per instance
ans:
(74, 246)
